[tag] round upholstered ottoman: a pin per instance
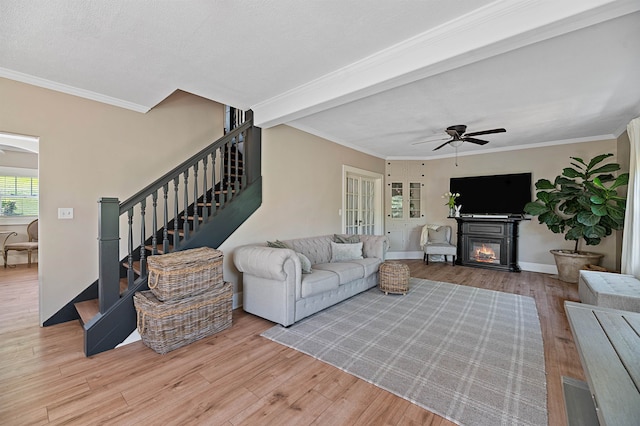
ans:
(393, 278)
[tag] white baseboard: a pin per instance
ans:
(538, 267)
(525, 266)
(395, 255)
(237, 301)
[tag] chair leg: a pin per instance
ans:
(4, 254)
(29, 257)
(453, 261)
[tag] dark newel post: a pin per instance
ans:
(108, 252)
(252, 150)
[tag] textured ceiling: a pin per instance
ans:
(378, 76)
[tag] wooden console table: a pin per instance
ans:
(608, 341)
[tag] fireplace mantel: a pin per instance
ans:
(488, 242)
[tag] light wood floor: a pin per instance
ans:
(235, 377)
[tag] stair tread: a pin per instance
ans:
(87, 310)
(159, 248)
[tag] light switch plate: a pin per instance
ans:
(65, 213)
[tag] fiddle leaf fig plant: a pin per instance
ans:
(583, 202)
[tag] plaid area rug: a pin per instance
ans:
(470, 355)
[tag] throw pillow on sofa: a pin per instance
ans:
(346, 239)
(304, 260)
(344, 252)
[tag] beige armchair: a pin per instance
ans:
(28, 246)
(437, 240)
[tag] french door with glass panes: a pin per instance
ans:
(360, 214)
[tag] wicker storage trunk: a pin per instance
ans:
(165, 326)
(185, 273)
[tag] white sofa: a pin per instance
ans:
(275, 288)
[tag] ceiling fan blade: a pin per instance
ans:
(435, 149)
(486, 132)
(476, 141)
(430, 140)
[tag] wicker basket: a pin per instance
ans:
(185, 273)
(393, 278)
(165, 326)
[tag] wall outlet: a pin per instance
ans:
(65, 213)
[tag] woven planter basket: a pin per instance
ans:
(393, 278)
(165, 326)
(185, 273)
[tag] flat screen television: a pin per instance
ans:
(496, 194)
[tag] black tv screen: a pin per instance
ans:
(495, 194)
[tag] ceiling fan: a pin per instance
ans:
(457, 134)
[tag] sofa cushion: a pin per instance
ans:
(345, 252)
(318, 282)
(370, 264)
(346, 271)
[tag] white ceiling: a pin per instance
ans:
(377, 76)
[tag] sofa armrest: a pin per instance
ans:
(267, 262)
(374, 245)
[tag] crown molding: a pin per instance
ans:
(491, 30)
(510, 148)
(70, 90)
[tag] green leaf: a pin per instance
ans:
(579, 160)
(545, 197)
(535, 209)
(571, 173)
(621, 180)
(596, 160)
(592, 241)
(615, 212)
(605, 169)
(595, 231)
(565, 181)
(596, 199)
(588, 218)
(544, 184)
(599, 210)
(574, 233)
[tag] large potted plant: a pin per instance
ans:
(584, 205)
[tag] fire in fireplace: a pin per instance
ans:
(485, 252)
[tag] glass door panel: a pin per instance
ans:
(397, 200)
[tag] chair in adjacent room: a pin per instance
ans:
(28, 246)
(436, 239)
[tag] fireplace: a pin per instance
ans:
(488, 243)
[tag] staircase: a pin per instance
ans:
(199, 203)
